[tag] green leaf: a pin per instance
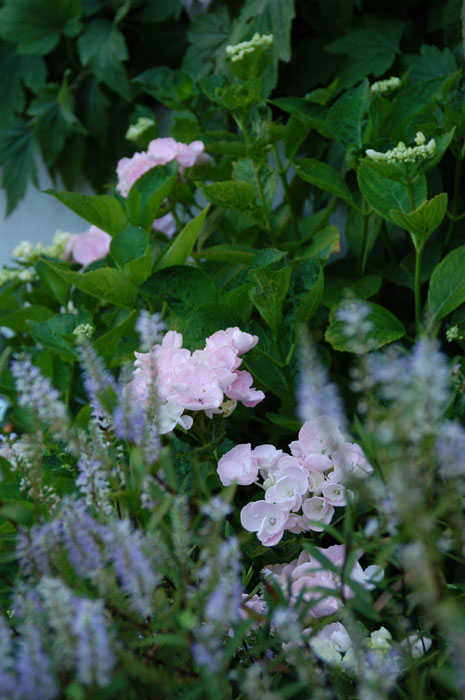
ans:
(53, 282)
(370, 50)
(107, 344)
(131, 252)
(206, 320)
(50, 332)
(313, 115)
(269, 293)
(98, 209)
(431, 63)
(209, 34)
(384, 193)
(231, 194)
(29, 70)
(447, 285)
(148, 192)
(347, 116)
(36, 25)
(233, 253)
(422, 222)
(385, 328)
(17, 320)
(184, 288)
(324, 242)
(337, 287)
(183, 244)
(102, 47)
(53, 109)
(323, 176)
(412, 101)
(105, 283)
(173, 88)
(17, 156)
(306, 291)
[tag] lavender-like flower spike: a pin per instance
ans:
(79, 533)
(94, 655)
(99, 383)
(35, 678)
(150, 328)
(124, 547)
(7, 679)
(93, 484)
(450, 449)
(57, 602)
(37, 392)
(35, 546)
(316, 395)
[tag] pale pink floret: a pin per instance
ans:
(162, 150)
(238, 466)
(84, 248)
(241, 390)
(317, 509)
(320, 435)
(242, 342)
(166, 224)
(288, 490)
(350, 462)
(334, 493)
(266, 520)
(267, 458)
(196, 387)
(131, 169)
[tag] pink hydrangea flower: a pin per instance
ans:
(350, 462)
(166, 224)
(238, 466)
(129, 170)
(318, 436)
(84, 248)
(266, 520)
(241, 390)
(317, 509)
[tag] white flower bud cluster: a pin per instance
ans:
(406, 154)
(27, 252)
(383, 86)
(26, 274)
(140, 127)
(238, 51)
(86, 329)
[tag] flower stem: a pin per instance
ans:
(362, 259)
(418, 256)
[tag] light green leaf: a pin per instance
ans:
(422, 222)
(385, 328)
(102, 47)
(36, 25)
(347, 116)
(98, 209)
(447, 285)
(183, 243)
(105, 283)
(269, 293)
(323, 176)
(385, 194)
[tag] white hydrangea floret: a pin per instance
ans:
(405, 154)
(86, 329)
(140, 127)
(236, 52)
(381, 87)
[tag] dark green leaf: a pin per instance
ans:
(107, 344)
(18, 319)
(36, 25)
(323, 176)
(102, 47)
(183, 244)
(384, 193)
(447, 286)
(347, 116)
(432, 63)
(131, 252)
(206, 320)
(17, 155)
(184, 288)
(269, 293)
(148, 192)
(385, 329)
(422, 222)
(19, 69)
(313, 115)
(337, 287)
(306, 291)
(173, 88)
(412, 101)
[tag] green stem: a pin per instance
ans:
(418, 255)
(411, 196)
(361, 264)
(287, 194)
(455, 205)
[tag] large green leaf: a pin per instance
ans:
(102, 47)
(384, 193)
(29, 70)
(105, 283)
(209, 34)
(370, 50)
(36, 25)
(347, 116)
(231, 194)
(51, 333)
(107, 344)
(323, 176)
(148, 192)
(131, 252)
(17, 156)
(184, 288)
(98, 209)
(313, 115)
(422, 222)
(206, 320)
(306, 291)
(269, 293)
(183, 243)
(18, 319)
(385, 328)
(412, 101)
(447, 285)
(431, 63)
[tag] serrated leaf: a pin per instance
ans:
(17, 156)
(173, 88)
(183, 244)
(105, 283)
(106, 344)
(209, 34)
(385, 328)
(385, 194)
(102, 47)
(269, 293)
(313, 115)
(29, 70)
(231, 194)
(422, 222)
(306, 291)
(347, 116)
(431, 63)
(370, 50)
(447, 285)
(184, 288)
(323, 176)
(98, 209)
(413, 100)
(36, 25)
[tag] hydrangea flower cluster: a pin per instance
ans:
(160, 152)
(381, 87)
(88, 246)
(28, 252)
(301, 489)
(406, 154)
(197, 381)
(237, 52)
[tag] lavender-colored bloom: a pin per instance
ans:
(34, 548)
(353, 314)
(7, 679)
(35, 678)
(124, 547)
(93, 484)
(79, 533)
(94, 656)
(316, 395)
(132, 422)
(450, 449)
(98, 381)
(37, 392)
(58, 605)
(216, 508)
(150, 328)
